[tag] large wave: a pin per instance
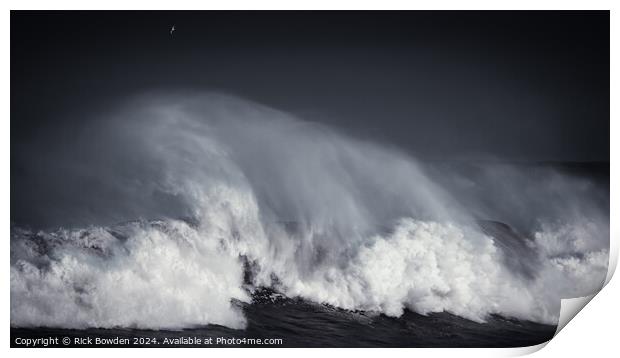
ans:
(245, 196)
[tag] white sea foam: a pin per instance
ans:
(317, 214)
(169, 278)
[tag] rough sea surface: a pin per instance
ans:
(305, 324)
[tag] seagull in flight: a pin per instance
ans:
(172, 30)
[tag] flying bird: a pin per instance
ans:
(172, 29)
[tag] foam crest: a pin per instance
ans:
(163, 276)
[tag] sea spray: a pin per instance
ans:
(313, 213)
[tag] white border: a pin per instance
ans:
(593, 330)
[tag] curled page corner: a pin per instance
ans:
(523, 351)
(569, 309)
(613, 260)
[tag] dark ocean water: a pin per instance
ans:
(304, 324)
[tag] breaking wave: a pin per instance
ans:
(247, 197)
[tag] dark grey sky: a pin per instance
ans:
(443, 85)
(530, 86)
